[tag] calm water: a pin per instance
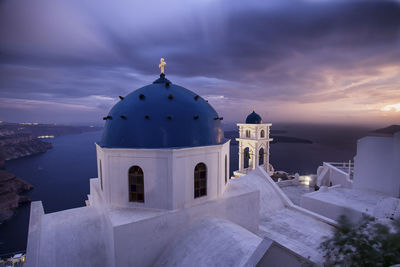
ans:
(61, 176)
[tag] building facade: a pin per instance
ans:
(254, 142)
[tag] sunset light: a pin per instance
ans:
(161, 133)
(393, 107)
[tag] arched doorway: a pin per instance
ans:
(261, 156)
(246, 156)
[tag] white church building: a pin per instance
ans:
(163, 196)
(253, 145)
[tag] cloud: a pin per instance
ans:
(259, 54)
(393, 107)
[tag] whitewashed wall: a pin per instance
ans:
(168, 174)
(139, 244)
(184, 162)
(254, 142)
(376, 165)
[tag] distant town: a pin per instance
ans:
(22, 139)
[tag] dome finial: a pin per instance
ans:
(162, 65)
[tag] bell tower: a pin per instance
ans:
(254, 143)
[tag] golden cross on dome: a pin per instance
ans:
(162, 65)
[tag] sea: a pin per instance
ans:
(61, 175)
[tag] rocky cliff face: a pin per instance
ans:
(20, 140)
(16, 145)
(10, 189)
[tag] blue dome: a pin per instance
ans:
(254, 118)
(162, 115)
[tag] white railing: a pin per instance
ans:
(347, 167)
(335, 173)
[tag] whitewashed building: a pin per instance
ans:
(163, 198)
(373, 189)
(254, 142)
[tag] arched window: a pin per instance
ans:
(261, 156)
(136, 184)
(262, 133)
(226, 169)
(247, 133)
(200, 180)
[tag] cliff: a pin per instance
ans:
(10, 189)
(22, 139)
(15, 145)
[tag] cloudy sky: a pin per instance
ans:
(316, 61)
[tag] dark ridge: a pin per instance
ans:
(289, 139)
(390, 130)
(277, 138)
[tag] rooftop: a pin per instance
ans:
(294, 192)
(254, 118)
(360, 200)
(162, 115)
(293, 227)
(296, 231)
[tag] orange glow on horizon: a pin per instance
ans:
(393, 107)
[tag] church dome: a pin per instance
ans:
(162, 115)
(254, 118)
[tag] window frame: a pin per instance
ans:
(136, 181)
(200, 180)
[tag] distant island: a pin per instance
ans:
(20, 140)
(277, 138)
(390, 130)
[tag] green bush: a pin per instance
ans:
(366, 243)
